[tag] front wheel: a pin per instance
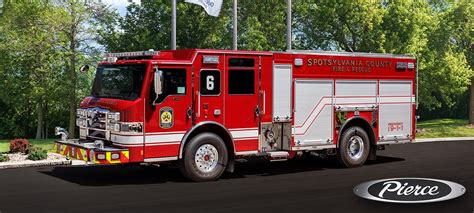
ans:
(353, 147)
(205, 158)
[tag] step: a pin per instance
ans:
(278, 156)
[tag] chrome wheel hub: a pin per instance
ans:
(356, 147)
(206, 158)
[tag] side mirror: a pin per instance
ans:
(84, 68)
(158, 83)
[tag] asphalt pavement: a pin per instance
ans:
(303, 185)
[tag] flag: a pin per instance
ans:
(212, 7)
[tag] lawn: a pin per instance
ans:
(45, 144)
(442, 128)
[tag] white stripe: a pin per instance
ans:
(162, 143)
(128, 145)
(240, 129)
(163, 138)
(244, 133)
(165, 133)
(126, 139)
(129, 140)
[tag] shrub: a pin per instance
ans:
(19, 145)
(37, 154)
(4, 158)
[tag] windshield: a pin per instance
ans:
(119, 81)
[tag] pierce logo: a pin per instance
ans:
(409, 190)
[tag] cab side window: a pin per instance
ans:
(174, 83)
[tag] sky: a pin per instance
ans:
(120, 5)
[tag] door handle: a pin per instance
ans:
(189, 112)
(257, 111)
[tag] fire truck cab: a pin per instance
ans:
(206, 108)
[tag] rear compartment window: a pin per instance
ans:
(241, 82)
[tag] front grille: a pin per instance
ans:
(96, 123)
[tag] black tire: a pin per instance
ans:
(344, 157)
(191, 169)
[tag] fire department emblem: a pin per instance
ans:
(166, 117)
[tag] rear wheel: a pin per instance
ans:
(205, 158)
(353, 147)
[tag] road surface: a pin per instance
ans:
(307, 185)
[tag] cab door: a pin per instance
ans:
(209, 86)
(242, 108)
(166, 115)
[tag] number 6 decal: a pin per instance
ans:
(210, 82)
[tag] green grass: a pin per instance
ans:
(442, 128)
(46, 144)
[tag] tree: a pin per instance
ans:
(147, 26)
(28, 60)
(446, 62)
(35, 38)
(353, 26)
(262, 25)
(79, 28)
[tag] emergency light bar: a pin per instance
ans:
(134, 54)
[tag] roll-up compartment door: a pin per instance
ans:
(282, 80)
(395, 110)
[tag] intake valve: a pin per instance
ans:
(270, 136)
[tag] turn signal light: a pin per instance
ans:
(100, 156)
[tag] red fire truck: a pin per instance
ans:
(206, 108)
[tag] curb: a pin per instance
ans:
(428, 140)
(34, 164)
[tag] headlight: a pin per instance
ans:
(113, 127)
(113, 116)
(125, 127)
(117, 127)
(79, 112)
(90, 113)
(81, 122)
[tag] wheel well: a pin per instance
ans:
(212, 128)
(362, 123)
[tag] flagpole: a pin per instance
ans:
(288, 25)
(173, 24)
(234, 39)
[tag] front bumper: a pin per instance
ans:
(90, 153)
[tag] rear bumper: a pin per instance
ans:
(90, 153)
